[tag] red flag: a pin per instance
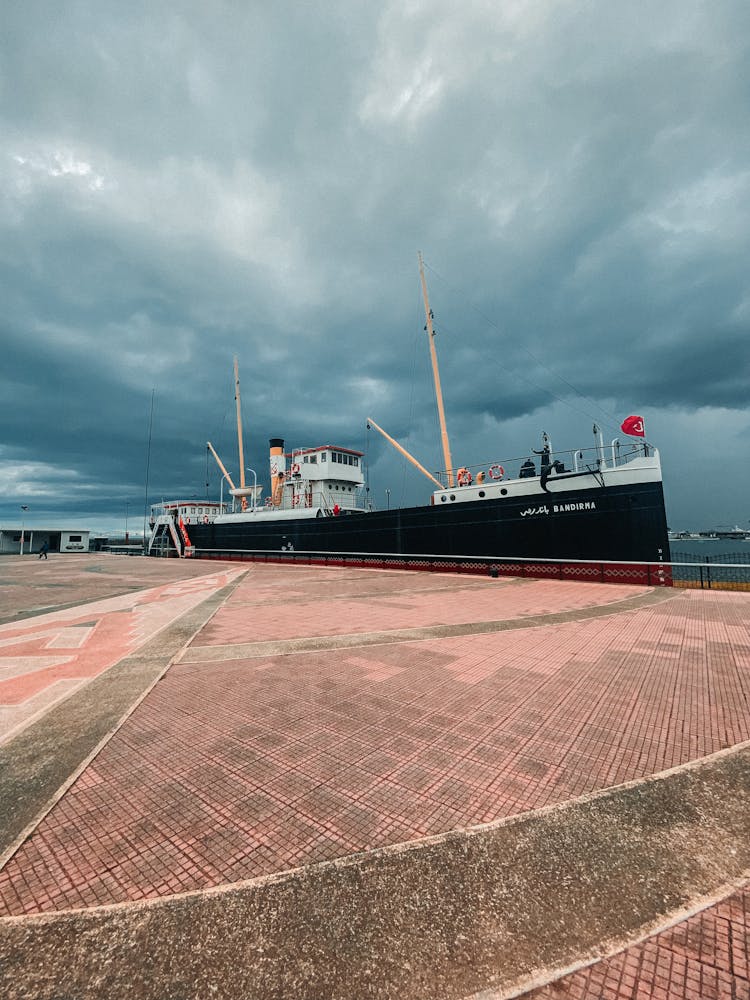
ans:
(633, 425)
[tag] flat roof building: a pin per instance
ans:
(21, 541)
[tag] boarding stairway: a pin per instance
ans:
(168, 539)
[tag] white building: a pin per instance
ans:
(14, 541)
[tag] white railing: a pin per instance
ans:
(592, 459)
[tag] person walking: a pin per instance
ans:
(44, 549)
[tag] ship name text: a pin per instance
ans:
(559, 508)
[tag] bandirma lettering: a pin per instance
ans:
(561, 508)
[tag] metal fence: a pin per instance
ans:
(718, 571)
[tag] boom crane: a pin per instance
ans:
(436, 375)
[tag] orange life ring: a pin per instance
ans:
(464, 477)
(295, 469)
(496, 471)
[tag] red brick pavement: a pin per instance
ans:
(235, 768)
(44, 659)
(706, 957)
(281, 606)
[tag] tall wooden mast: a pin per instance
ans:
(436, 375)
(239, 430)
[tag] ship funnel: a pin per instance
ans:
(277, 460)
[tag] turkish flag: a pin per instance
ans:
(633, 425)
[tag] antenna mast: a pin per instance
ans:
(436, 375)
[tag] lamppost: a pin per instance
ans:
(24, 508)
(388, 499)
(127, 537)
(255, 484)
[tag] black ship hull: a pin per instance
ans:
(613, 523)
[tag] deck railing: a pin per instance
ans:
(604, 456)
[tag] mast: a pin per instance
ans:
(436, 375)
(239, 431)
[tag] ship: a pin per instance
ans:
(602, 503)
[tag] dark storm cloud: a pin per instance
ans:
(182, 184)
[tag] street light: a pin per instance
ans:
(24, 508)
(388, 499)
(127, 504)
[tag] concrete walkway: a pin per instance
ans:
(250, 721)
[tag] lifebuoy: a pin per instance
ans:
(464, 477)
(295, 501)
(496, 471)
(295, 469)
(269, 501)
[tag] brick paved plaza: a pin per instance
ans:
(318, 713)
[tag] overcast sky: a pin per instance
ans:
(182, 183)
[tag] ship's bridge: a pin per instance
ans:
(327, 476)
(333, 464)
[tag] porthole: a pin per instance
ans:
(443, 498)
(481, 493)
(504, 492)
(453, 496)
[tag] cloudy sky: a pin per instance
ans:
(182, 183)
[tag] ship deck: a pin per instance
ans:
(321, 782)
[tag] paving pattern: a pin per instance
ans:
(46, 658)
(29, 586)
(243, 762)
(706, 957)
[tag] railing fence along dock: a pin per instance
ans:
(653, 574)
(728, 571)
(719, 571)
